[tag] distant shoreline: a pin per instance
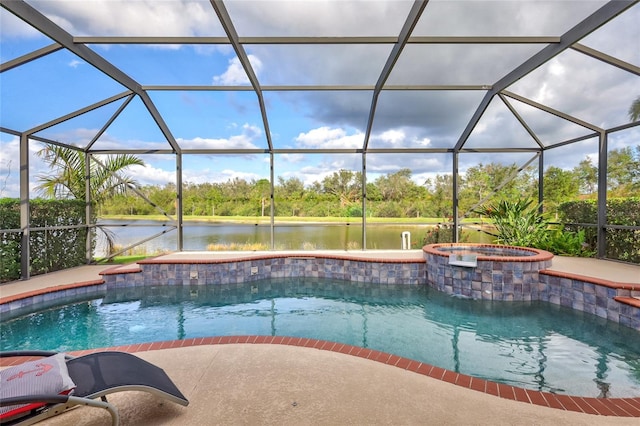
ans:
(291, 219)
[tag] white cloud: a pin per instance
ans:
(420, 165)
(244, 140)
(503, 17)
(398, 138)
(393, 136)
(416, 118)
(318, 18)
(10, 168)
(150, 175)
(312, 174)
(127, 18)
(593, 157)
(423, 143)
(328, 138)
(13, 27)
(235, 73)
(556, 68)
(291, 158)
(217, 176)
(582, 87)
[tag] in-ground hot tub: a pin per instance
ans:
(486, 271)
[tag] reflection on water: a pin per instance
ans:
(198, 235)
(528, 344)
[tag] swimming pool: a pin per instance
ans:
(534, 345)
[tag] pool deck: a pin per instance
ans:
(290, 381)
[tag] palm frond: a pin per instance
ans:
(634, 110)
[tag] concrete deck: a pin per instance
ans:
(246, 384)
(603, 269)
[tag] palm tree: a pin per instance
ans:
(634, 110)
(106, 178)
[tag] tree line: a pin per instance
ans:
(393, 195)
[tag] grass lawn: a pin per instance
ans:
(123, 260)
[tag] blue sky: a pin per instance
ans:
(60, 83)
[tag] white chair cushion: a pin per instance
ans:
(46, 376)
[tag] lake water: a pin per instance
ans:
(303, 236)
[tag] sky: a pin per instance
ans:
(61, 83)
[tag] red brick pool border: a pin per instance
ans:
(619, 407)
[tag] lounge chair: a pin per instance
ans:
(44, 388)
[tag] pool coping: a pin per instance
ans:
(50, 290)
(536, 256)
(615, 407)
(621, 407)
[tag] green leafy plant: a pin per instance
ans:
(567, 243)
(518, 223)
(60, 247)
(622, 244)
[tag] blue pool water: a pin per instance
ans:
(486, 251)
(533, 345)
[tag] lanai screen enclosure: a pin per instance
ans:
(207, 91)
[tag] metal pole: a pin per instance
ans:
(364, 200)
(25, 214)
(455, 197)
(271, 196)
(87, 206)
(602, 195)
(541, 179)
(179, 206)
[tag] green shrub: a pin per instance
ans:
(441, 233)
(388, 209)
(621, 244)
(520, 223)
(566, 243)
(10, 242)
(354, 211)
(62, 247)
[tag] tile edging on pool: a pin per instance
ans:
(249, 257)
(174, 272)
(618, 407)
(537, 256)
(134, 268)
(55, 291)
(560, 285)
(618, 285)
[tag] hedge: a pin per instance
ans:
(622, 244)
(51, 250)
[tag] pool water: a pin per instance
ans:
(534, 345)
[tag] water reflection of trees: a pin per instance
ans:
(526, 335)
(536, 330)
(519, 340)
